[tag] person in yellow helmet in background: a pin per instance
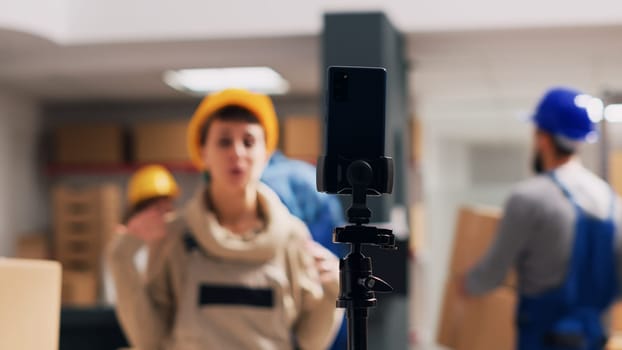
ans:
(151, 189)
(234, 269)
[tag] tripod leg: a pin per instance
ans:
(357, 328)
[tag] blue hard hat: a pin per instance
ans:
(561, 113)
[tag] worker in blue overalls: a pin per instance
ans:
(560, 232)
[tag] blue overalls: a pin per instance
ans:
(569, 317)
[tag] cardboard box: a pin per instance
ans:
(615, 327)
(79, 287)
(416, 141)
(468, 323)
(615, 171)
(84, 220)
(79, 254)
(616, 318)
(99, 204)
(452, 313)
(30, 303)
(488, 322)
(417, 227)
(615, 342)
(160, 141)
(33, 246)
(302, 138)
(482, 323)
(111, 204)
(475, 232)
(92, 143)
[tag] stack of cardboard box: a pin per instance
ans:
(84, 219)
(160, 141)
(88, 144)
(113, 144)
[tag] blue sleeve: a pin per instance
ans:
(294, 183)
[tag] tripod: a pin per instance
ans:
(357, 285)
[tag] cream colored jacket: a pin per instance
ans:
(206, 288)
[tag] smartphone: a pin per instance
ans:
(355, 128)
(355, 113)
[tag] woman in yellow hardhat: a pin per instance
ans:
(236, 270)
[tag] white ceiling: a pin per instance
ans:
(464, 72)
(505, 67)
(133, 70)
(96, 21)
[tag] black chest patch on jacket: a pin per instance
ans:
(190, 243)
(210, 294)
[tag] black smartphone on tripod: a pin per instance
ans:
(355, 128)
(354, 164)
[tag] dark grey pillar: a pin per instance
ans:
(369, 39)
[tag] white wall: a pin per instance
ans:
(451, 135)
(22, 197)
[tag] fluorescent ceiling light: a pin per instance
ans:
(613, 113)
(582, 100)
(595, 109)
(205, 80)
(593, 105)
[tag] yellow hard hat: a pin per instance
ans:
(151, 181)
(260, 105)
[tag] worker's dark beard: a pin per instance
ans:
(537, 165)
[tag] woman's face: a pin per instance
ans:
(234, 153)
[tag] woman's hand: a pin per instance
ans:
(149, 225)
(326, 263)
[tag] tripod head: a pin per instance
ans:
(358, 285)
(360, 292)
(360, 175)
